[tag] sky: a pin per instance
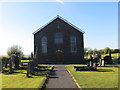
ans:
(18, 20)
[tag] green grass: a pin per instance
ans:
(114, 55)
(25, 60)
(19, 79)
(106, 77)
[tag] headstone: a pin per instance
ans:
(94, 64)
(6, 62)
(103, 63)
(109, 53)
(32, 56)
(91, 60)
(30, 68)
(98, 58)
(16, 60)
(10, 65)
(100, 62)
(108, 60)
(91, 64)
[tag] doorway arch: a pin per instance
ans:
(59, 56)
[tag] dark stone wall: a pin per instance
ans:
(49, 31)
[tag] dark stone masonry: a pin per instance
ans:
(59, 41)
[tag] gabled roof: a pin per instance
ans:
(61, 19)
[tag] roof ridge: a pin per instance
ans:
(58, 16)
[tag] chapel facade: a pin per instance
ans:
(59, 41)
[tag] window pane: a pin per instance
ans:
(58, 38)
(44, 44)
(73, 44)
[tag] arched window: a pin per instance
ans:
(58, 38)
(44, 44)
(73, 44)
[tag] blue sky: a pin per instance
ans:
(18, 20)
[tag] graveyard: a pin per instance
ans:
(104, 77)
(18, 78)
(18, 73)
(91, 75)
(59, 44)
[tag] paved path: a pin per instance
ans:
(61, 78)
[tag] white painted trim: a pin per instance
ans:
(61, 19)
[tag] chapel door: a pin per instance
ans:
(59, 56)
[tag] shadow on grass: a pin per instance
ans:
(41, 72)
(105, 70)
(112, 66)
(99, 70)
(6, 72)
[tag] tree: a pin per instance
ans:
(14, 49)
(85, 51)
(101, 51)
(90, 52)
(106, 50)
(116, 50)
(95, 51)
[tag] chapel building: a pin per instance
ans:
(59, 41)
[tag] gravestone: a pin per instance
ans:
(100, 62)
(108, 60)
(30, 68)
(90, 64)
(91, 60)
(13, 60)
(16, 60)
(103, 63)
(95, 66)
(6, 63)
(32, 56)
(10, 65)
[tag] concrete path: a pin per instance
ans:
(61, 78)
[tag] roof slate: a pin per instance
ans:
(61, 19)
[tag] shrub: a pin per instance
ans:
(4, 58)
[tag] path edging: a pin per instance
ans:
(46, 80)
(74, 79)
(44, 83)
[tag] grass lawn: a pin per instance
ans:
(19, 79)
(25, 60)
(114, 55)
(105, 77)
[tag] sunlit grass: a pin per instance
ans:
(25, 60)
(18, 79)
(105, 77)
(114, 55)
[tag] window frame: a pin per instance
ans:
(44, 44)
(73, 44)
(58, 38)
